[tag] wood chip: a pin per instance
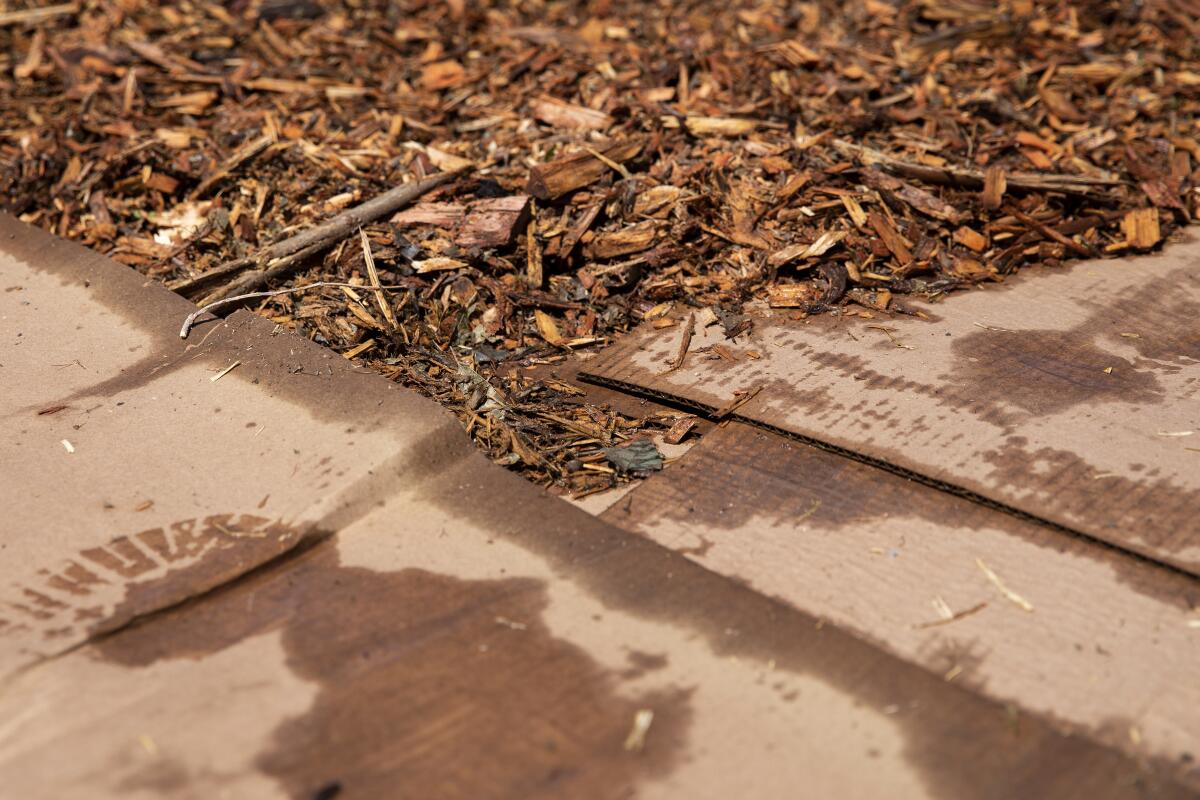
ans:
(971, 239)
(792, 295)
(685, 341)
(823, 244)
(1141, 228)
(891, 238)
(553, 179)
(569, 116)
(548, 329)
(921, 200)
(680, 429)
(995, 184)
(720, 126)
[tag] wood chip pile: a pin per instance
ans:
(620, 161)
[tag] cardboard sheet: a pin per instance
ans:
(1089, 635)
(367, 607)
(1070, 394)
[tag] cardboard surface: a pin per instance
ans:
(1071, 394)
(429, 624)
(449, 644)
(1110, 644)
(133, 479)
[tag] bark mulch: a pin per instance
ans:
(612, 162)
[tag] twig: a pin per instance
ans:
(972, 179)
(37, 14)
(954, 617)
(240, 156)
(1051, 233)
(281, 257)
(373, 275)
(190, 320)
(610, 163)
(224, 372)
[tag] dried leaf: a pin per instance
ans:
(638, 456)
(548, 329)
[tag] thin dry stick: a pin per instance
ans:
(972, 179)
(1050, 233)
(191, 318)
(282, 257)
(29, 15)
(610, 163)
(240, 156)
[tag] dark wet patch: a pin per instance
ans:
(1044, 371)
(1166, 513)
(427, 688)
(217, 549)
(739, 474)
(1047, 371)
(156, 567)
(159, 777)
(964, 746)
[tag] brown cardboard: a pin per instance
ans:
(1070, 394)
(177, 482)
(422, 621)
(1110, 644)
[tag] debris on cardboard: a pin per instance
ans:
(638, 456)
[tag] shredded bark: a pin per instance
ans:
(618, 162)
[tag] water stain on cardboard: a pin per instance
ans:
(427, 687)
(140, 573)
(1166, 512)
(1048, 371)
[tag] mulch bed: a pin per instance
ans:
(615, 163)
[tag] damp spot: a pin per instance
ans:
(1046, 371)
(643, 663)
(158, 777)
(416, 679)
(1152, 512)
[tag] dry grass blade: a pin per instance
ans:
(1009, 594)
(373, 276)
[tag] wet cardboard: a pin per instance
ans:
(420, 621)
(1071, 394)
(132, 477)
(1109, 646)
